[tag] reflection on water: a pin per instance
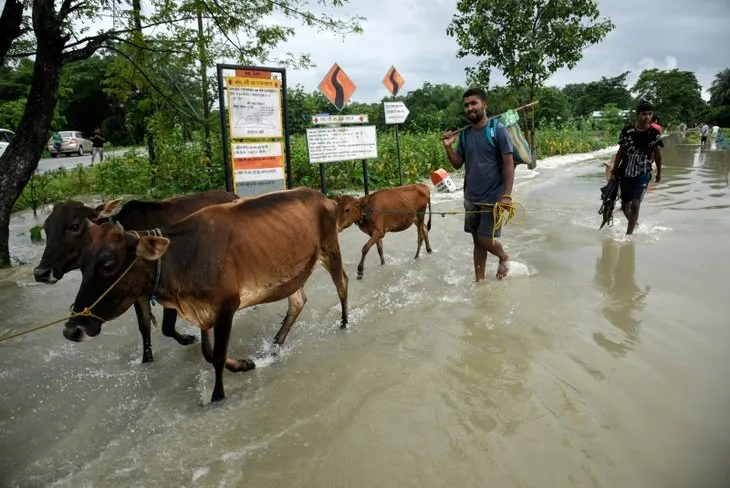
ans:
(615, 276)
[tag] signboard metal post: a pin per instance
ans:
(338, 143)
(256, 143)
(395, 112)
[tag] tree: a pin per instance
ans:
(58, 39)
(554, 105)
(588, 97)
(720, 98)
(677, 95)
(434, 107)
(528, 40)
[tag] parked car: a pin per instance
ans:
(74, 142)
(6, 136)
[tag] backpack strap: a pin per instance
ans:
(491, 130)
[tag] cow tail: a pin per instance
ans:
(428, 226)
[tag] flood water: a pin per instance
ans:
(602, 361)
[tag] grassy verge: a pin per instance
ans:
(183, 167)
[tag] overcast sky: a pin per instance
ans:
(411, 34)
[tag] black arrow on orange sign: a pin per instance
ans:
(339, 89)
(392, 79)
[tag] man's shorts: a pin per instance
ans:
(634, 188)
(480, 223)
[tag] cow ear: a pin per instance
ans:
(107, 209)
(152, 247)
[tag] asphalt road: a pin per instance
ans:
(70, 162)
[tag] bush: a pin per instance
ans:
(183, 167)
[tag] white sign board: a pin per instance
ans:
(254, 108)
(340, 119)
(395, 112)
(331, 144)
(258, 167)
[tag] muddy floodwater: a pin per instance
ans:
(602, 361)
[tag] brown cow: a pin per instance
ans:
(211, 264)
(388, 210)
(67, 237)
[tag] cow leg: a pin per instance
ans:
(333, 264)
(425, 237)
(221, 336)
(379, 243)
(206, 342)
(361, 266)
(143, 309)
(296, 304)
(169, 316)
(419, 231)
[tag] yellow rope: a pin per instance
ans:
(86, 312)
(502, 213)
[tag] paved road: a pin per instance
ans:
(70, 162)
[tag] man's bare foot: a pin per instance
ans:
(503, 268)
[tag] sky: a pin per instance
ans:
(411, 34)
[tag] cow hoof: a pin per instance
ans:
(343, 324)
(217, 399)
(186, 339)
(247, 364)
(147, 357)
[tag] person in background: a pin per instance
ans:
(490, 174)
(97, 146)
(703, 133)
(639, 146)
(57, 141)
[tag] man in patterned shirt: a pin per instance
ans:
(639, 146)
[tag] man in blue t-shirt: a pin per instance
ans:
(490, 173)
(639, 146)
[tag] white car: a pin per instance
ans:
(6, 136)
(73, 142)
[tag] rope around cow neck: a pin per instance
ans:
(502, 213)
(86, 312)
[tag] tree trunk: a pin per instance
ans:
(11, 20)
(533, 139)
(21, 157)
(204, 85)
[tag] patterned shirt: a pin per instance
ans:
(637, 147)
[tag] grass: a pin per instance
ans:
(182, 167)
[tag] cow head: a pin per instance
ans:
(349, 210)
(67, 237)
(115, 272)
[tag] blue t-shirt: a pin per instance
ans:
(484, 181)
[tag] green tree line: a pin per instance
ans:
(87, 99)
